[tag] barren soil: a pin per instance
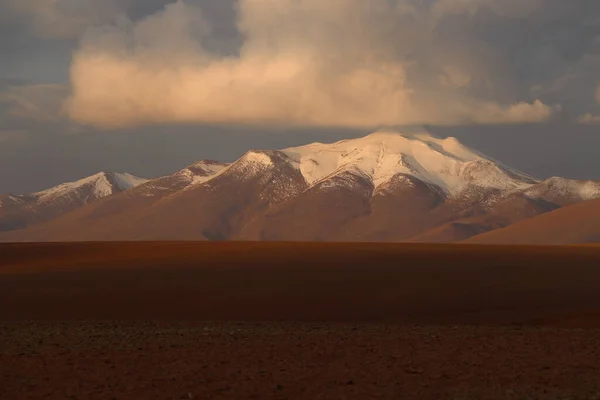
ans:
(309, 321)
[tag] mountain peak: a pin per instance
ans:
(202, 171)
(383, 154)
(95, 186)
(207, 167)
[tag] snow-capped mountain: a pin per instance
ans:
(563, 191)
(19, 211)
(195, 174)
(442, 163)
(387, 186)
(87, 189)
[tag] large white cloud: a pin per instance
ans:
(304, 62)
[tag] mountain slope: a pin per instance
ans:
(123, 216)
(483, 218)
(563, 191)
(575, 224)
(386, 186)
(17, 212)
(395, 187)
(209, 208)
(181, 180)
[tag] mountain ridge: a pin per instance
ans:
(20, 211)
(386, 186)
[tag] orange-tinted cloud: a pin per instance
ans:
(303, 62)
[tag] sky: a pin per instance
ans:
(150, 86)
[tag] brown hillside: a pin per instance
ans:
(578, 223)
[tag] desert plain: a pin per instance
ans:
(237, 320)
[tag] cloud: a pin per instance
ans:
(302, 62)
(67, 18)
(41, 103)
(517, 113)
(27, 108)
(589, 119)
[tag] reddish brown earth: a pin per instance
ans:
(575, 224)
(330, 321)
(295, 361)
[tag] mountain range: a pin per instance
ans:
(387, 186)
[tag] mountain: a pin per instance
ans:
(387, 186)
(20, 211)
(564, 191)
(187, 177)
(576, 224)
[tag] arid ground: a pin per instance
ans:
(290, 320)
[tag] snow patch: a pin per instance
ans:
(204, 171)
(579, 190)
(251, 164)
(11, 198)
(346, 180)
(127, 181)
(197, 173)
(206, 168)
(259, 158)
(197, 179)
(99, 184)
(92, 187)
(382, 155)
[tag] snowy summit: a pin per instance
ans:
(378, 157)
